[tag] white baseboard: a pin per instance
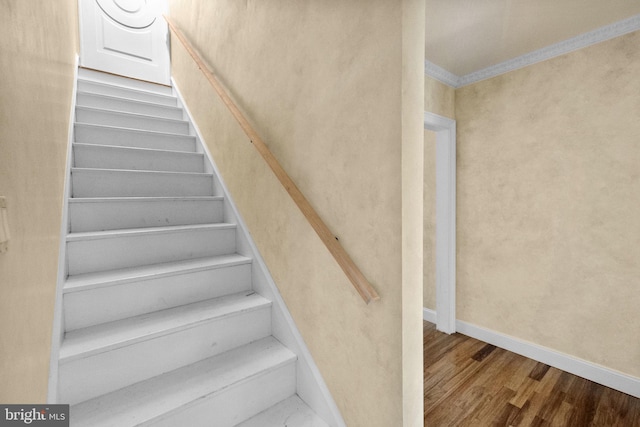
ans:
(428, 315)
(582, 368)
(57, 332)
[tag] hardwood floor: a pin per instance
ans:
(471, 383)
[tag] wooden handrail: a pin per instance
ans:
(343, 259)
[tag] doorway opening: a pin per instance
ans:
(445, 224)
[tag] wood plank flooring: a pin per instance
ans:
(471, 383)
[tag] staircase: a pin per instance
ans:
(162, 325)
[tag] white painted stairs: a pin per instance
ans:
(162, 325)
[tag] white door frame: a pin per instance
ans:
(445, 130)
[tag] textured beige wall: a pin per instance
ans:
(548, 212)
(438, 99)
(412, 210)
(429, 222)
(38, 44)
(322, 83)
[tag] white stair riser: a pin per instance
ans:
(105, 89)
(99, 135)
(128, 105)
(110, 303)
(109, 157)
(106, 183)
(237, 403)
(110, 118)
(102, 373)
(86, 256)
(119, 214)
(112, 79)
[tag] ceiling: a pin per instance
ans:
(463, 36)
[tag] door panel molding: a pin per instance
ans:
(142, 15)
(125, 37)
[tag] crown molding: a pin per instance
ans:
(598, 35)
(440, 74)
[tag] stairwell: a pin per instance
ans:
(163, 325)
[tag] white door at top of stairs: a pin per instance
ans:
(125, 37)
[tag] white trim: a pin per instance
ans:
(58, 319)
(575, 43)
(581, 41)
(428, 315)
(311, 386)
(582, 368)
(443, 76)
(445, 129)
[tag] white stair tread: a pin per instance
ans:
(134, 130)
(132, 171)
(177, 389)
(83, 282)
(138, 149)
(138, 115)
(143, 199)
(132, 100)
(92, 86)
(96, 81)
(97, 339)
(109, 234)
(291, 412)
